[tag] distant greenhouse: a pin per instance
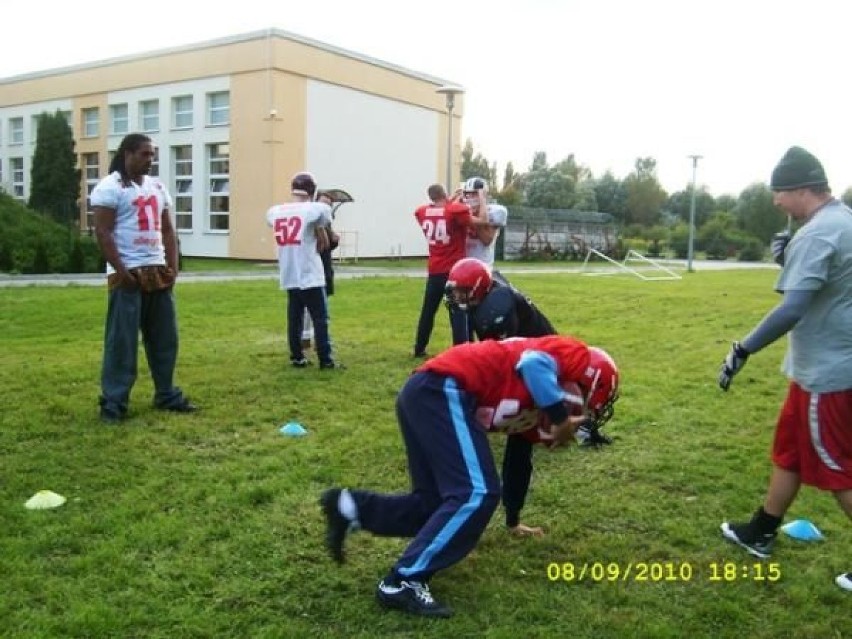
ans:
(557, 234)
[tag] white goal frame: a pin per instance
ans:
(622, 267)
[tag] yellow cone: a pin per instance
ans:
(44, 499)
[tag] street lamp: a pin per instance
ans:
(695, 159)
(450, 92)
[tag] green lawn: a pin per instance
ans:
(207, 525)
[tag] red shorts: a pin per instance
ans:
(814, 437)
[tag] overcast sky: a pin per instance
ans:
(607, 80)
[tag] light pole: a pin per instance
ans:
(689, 251)
(450, 92)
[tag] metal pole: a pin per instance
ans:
(450, 104)
(689, 253)
(450, 92)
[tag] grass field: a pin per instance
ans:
(207, 525)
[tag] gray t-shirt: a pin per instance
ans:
(819, 258)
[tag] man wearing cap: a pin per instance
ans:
(813, 438)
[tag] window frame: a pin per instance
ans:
(216, 174)
(89, 123)
(213, 110)
(176, 113)
(114, 120)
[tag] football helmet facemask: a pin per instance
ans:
(600, 384)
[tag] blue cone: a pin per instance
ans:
(802, 530)
(293, 429)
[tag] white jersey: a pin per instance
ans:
(139, 211)
(294, 226)
(497, 215)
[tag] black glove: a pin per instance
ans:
(779, 245)
(589, 435)
(732, 365)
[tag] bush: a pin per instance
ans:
(751, 250)
(33, 243)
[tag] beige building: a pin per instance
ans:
(233, 119)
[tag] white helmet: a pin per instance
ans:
(474, 184)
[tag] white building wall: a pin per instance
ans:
(382, 152)
(200, 241)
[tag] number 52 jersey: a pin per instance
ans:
(139, 210)
(294, 226)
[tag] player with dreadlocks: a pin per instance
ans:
(135, 234)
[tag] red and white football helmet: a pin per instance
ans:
(600, 386)
(468, 282)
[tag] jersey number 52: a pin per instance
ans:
(287, 231)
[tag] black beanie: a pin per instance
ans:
(796, 170)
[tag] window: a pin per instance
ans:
(16, 130)
(149, 116)
(16, 168)
(182, 112)
(182, 186)
(91, 123)
(91, 171)
(69, 118)
(154, 171)
(120, 122)
(218, 108)
(218, 158)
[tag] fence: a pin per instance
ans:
(557, 234)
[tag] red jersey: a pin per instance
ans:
(445, 228)
(488, 371)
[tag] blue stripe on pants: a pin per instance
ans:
(463, 514)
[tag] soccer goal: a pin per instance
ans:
(628, 265)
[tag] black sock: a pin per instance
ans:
(762, 523)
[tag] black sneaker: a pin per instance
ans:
(336, 525)
(757, 545)
(332, 365)
(844, 580)
(110, 417)
(299, 363)
(420, 355)
(411, 596)
(183, 406)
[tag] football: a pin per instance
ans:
(573, 400)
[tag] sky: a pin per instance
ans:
(736, 82)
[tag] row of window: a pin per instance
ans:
(218, 110)
(181, 183)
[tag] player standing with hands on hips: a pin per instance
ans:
(813, 436)
(135, 234)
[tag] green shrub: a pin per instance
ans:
(31, 242)
(751, 250)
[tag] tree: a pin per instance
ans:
(726, 203)
(680, 203)
(756, 214)
(611, 196)
(54, 179)
(547, 187)
(846, 198)
(476, 165)
(645, 196)
(585, 198)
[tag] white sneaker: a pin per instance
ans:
(844, 580)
